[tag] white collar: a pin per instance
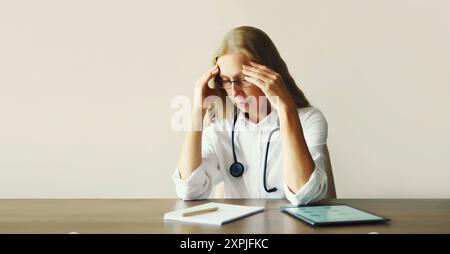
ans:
(268, 123)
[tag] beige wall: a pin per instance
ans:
(86, 90)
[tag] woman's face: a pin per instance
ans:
(245, 98)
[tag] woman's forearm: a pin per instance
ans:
(191, 156)
(298, 164)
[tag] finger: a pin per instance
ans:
(209, 74)
(259, 83)
(266, 73)
(214, 70)
(261, 66)
(256, 75)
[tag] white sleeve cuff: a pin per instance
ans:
(197, 186)
(195, 178)
(312, 191)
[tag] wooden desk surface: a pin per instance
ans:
(146, 216)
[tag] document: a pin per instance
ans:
(212, 213)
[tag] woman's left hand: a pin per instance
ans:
(271, 83)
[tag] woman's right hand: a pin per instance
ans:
(202, 90)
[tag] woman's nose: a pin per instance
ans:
(236, 91)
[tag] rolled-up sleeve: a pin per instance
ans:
(201, 182)
(315, 130)
(316, 187)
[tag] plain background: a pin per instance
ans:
(86, 89)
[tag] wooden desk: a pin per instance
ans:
(146, 216)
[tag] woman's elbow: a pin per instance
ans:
(192, 193)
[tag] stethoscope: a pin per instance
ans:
(237, 169)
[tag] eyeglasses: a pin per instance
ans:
(227, 84)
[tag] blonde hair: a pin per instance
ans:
(258, 47)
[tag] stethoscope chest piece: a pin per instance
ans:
(237, 169)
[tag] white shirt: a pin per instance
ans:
(250, 146)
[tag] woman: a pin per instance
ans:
(273, 146)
